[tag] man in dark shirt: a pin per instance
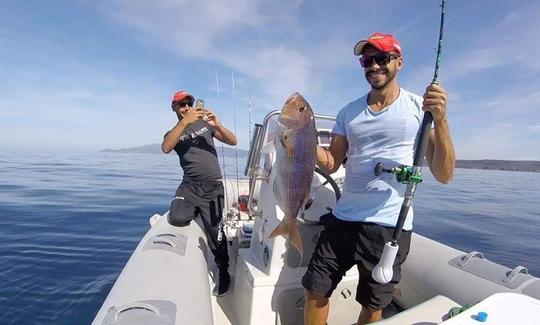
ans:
(201, 192)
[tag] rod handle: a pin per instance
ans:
(383, 272)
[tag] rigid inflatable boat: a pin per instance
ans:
(169, 277)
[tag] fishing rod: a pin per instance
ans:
(222, 148)
(236, 145)
(249, 117)
(384, 270)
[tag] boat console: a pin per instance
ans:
(269, 271)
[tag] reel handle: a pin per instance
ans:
(379, 169)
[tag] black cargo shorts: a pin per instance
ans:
(343, 244)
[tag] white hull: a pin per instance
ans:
(153, 275)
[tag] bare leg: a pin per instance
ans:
(369, 316)
(316, 309)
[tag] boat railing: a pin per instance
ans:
(251, 156)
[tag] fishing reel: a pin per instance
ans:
(404, 174)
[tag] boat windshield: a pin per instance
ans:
(261, 152)
(323, 123)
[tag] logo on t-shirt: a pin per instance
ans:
(194, 134)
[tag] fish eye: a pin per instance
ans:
(301, 109)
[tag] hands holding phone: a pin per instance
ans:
(208, 116)
(212, 119)
(191, 115)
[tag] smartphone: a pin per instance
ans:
(199, 104)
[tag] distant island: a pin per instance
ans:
(155, 148)
(486, 164)
(492, 164)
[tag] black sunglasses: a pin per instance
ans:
(380, 58)
(182, 104)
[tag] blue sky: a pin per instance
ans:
(93, 74)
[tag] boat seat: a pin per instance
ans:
(430, 312)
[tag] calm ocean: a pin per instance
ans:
(69, 222)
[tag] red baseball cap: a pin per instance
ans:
(179, 95)
(382, 42)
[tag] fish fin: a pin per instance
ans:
(286, 227)
(296, 239)
(282, 229)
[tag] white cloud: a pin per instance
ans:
(507, 45)
(274, 48)
(189, 27)
(510, 44)
(213, 30)
(492, 117)
(503, 126)
(281, 63)
(265, 40)
(98, 110)
(534, 127)
(498, 141)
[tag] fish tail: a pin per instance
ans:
(296, 240)
(286, 227)
(282, 229)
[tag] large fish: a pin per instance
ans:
(296, 149)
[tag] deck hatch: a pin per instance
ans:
(169, 241)
(158, 312)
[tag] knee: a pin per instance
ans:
(178, 216)
(315, 299)
(369, 315)
(178, 222)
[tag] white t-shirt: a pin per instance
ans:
(388, 136)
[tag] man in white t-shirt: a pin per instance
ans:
(381, 126)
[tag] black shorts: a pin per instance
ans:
(343, 244)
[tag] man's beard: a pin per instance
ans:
(389, 77)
